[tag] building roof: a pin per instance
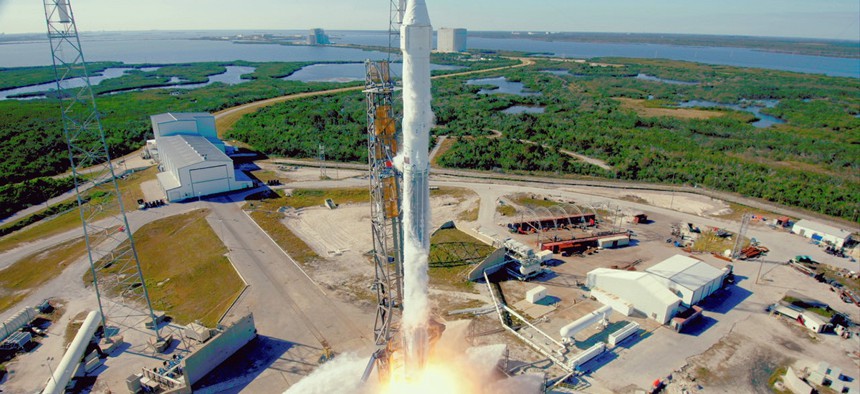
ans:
(643, 279)
(185, 150)
(174, 116)
(822, 228)
(686, 271)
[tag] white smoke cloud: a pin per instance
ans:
(341, 375)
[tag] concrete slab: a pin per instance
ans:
(534, 311)
(152, 191)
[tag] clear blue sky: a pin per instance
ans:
(792, 18)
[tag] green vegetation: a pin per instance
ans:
(297, 128)
(533, 201)
(811, 162)
(777, 376)
(471, 214)
(457, 251)
(297, 248)
(27, 76)
(817, 308)
(34, 145)
(301, 198)
(506, 210)
(65, 216)
(710, 242)
(189, 283)
(17, 196)
(27, 274)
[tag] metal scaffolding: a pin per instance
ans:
(385, 205)
(114, 265)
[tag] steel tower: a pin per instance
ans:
(384, 206)
(114, 265)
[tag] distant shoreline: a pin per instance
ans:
(787, 45)
(793, 46)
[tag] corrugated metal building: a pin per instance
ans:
(640, 289)
(192, 159)
(690, 279)
(821, 232)
(659, 292)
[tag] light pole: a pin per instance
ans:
(50, 369)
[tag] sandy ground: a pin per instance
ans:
(152, 191)
(343, 239)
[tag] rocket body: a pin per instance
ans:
(416, 37)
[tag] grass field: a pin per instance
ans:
(738, 211)
(19, 279)
(533, 201)
(303, 198)
(460, 194)
(184, 279)
(454, 278)
(709, 242)
(271, 223)
(506, 210)
(643, 108)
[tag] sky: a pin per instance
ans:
(832, 19)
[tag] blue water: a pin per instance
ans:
(231, 77)
(646, 77)
(561, 73)
(346, 72)
(176, 47)
(158, 48)
(740, 57)
(524, 109)
(95, 79)
(503, 86)
(753, 107)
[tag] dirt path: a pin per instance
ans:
(590, 160)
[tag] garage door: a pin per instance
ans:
(209, 180)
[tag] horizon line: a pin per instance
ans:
(543, 32)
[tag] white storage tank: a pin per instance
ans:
(567, 332)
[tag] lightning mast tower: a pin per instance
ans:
(742, 232)
(385, 196)
(114, 265)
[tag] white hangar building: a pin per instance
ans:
(661, 291)
(193, 161)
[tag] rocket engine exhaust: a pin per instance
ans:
(416, 36)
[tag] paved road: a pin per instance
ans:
(288, 306)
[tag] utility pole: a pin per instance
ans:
(321, 156)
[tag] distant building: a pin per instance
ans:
(318, 37)
(451, 40)
(821, 232)
(192, 159)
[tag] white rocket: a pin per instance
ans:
(416, 36)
